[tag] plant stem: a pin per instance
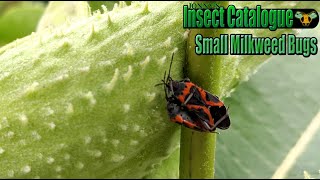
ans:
(196, 159)
(197, 149)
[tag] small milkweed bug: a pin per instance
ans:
(182, 116)
(205, 107)
(188, 119)
(179, 115)
(208, 111)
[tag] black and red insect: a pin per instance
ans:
(197, 108)
(191, 119)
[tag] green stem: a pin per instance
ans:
(196, 159)
(197, 149)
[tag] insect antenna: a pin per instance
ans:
(169, 74)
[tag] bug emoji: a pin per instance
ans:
(306, 19)
(198, 102)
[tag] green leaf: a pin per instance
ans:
(269, 114)
(220, 75)
(109, 5)
(307, 175)
(236, 69)
(167, 168)
(60, 12)
(79, 101)
(18, 19)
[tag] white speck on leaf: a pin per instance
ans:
(31, 88)
(136, 128)
(134, 142)
(95, 153)
(128, 74)
(87, 140)
(1, 150)
(84, 69)
(10, 173)
(40, 155)
(10, 134)
(23, 142)
(128, 50)
(79, 165)
(69, 108)
(52, 125)
(36, 135)
(175, 50)
(90, 97)
(115, 142)
(167, 43)
(117, 158)
(162, 60)
(50, 160)
(62, 77)
(145, 62)
(126, 108)
(67, 156)
(58, 169)
(150, 96)
(49, 111)
(26, 169)
(109, 86)
(123, 127)
(23, 118)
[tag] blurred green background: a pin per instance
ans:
(19, 19)
(269, 112)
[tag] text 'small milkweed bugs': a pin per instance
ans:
(201, 106)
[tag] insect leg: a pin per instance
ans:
(208, 127)
(189, 97)
(205, 124)
(164, 86)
